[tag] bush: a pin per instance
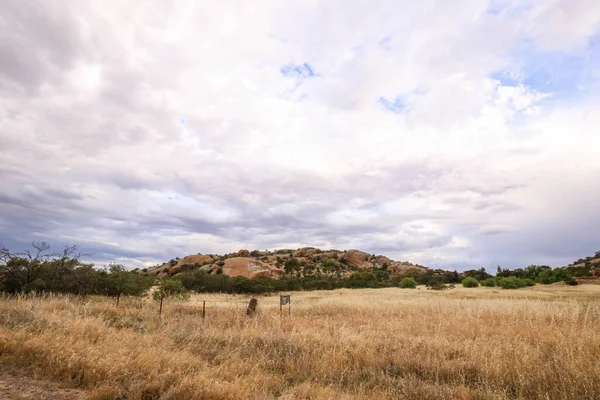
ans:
(470, 282)
(172, 288)
(291, 265)
(529, 282)
(407, 283)
(556, 275)
(489, 282)
(437, 285)
(512, 283)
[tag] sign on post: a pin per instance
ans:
(283, 300)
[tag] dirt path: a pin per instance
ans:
(18, 387)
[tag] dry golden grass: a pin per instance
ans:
(484, 343)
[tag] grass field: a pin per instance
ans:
(484, 343)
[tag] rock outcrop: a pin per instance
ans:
(195, 259)
(249, 268)
(357, 259)
(307, 261)
(383, 261)
(396, 267)
(305, 252)
(243, 253)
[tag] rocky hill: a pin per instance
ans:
(587, 270)
(278, 263)
(592, 261)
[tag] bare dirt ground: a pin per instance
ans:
(16, 386)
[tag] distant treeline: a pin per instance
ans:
(40, 270)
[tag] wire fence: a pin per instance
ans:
(198, 307)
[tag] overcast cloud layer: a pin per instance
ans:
(456, 134)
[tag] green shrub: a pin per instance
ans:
(437, 285)
(489, 282)
(407, 283)
(172, 288)
(512, 283)
(555, 275)
(470, 282)
(571, 282)
(529, 282)
(292, 264)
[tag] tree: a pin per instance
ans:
(21, 269)
(478, 274)
(533, 271)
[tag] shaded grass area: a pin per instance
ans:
(388, 343)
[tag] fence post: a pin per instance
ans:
(203, 309)
(252, 306)
(118, 298)
(160, 309)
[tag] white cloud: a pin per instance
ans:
(109, 111)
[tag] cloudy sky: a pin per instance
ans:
(455, 134)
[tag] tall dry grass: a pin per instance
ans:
(540, 343)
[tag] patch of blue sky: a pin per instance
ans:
(566, 75)
(298, 71)
(401, 103)
(385, 43)
(507, 8)
(396, 105)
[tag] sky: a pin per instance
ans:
(455, 134)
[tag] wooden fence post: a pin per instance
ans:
(203, 309)
(118, 298)
(252, 307)
(160, 309)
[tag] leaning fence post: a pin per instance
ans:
(203, 309)
(160, 309)
(252, 307)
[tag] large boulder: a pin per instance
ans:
(175, 270)
(383, 261)
(306, 252)
(249, 268)
(195, 259)
(243, 253)
(357, 259)
(397, 267)
(207, 268)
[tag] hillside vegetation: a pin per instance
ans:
(41, 271)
